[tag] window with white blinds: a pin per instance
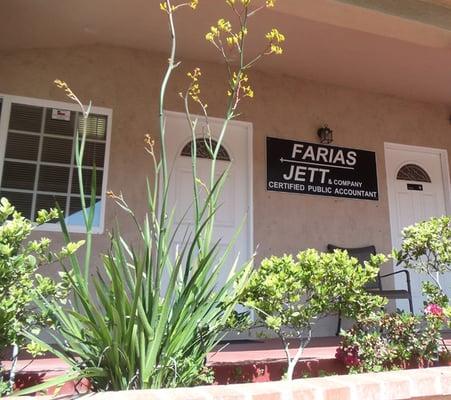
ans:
(37, 142)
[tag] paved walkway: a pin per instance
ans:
(240, 352)
(272, 350)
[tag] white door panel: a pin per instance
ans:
(235, 200)
(409, 205)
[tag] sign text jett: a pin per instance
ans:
(300, 167)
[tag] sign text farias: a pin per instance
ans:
(300, 167)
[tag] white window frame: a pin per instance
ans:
(7, 100)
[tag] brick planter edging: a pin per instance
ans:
(430, 383)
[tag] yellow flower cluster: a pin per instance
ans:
(248, 92)
(236, 38)
(275, 35)
(239, 81)
(195, 74)
(63, 85)
(246, 3)
(164, 7)
(215, 31)
(192, 3)
(224, 26)
(149, 144)
(275, 38)
(194, 89)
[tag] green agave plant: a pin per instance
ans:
(125, 329)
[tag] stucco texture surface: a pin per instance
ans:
(127, 81)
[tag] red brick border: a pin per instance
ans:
(430, 383)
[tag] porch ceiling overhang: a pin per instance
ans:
(400, 47)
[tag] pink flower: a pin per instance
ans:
(349, 356)
(434, 309)
(352, 360)
(339, 354)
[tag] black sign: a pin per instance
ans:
(412, 186)
(300, 167)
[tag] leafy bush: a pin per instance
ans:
(20, 282)
(132, 331)
(386, 341)
(289, 295)
(390, 341)
(426, 248)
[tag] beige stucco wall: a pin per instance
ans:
(128, 82)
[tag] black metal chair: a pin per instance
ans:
(363, 254)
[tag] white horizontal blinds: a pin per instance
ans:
(39, 166)
(21, 156)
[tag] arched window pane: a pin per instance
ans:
(412, 172)
(202, 150)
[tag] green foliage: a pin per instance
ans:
(434, 295)
(148, 318)
(437, 308)
(293, 293)
(390, 341)
(133, 332)
(20, 282)
(289, 294)
(426, 246)
(4, 385)
(129, 330)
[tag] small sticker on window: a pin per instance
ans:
(63, 115)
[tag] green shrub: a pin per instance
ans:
(125, 329)
(289, 295)
(426, 248)
(387, 341)
(391, 341)
(20, 281)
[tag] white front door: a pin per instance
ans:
(416, 192)
(235, 201)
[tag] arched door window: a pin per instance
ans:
(413, 172)
(202, 149)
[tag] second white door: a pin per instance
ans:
(416, 192)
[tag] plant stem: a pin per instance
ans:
(286, 347)
(228, 117)
(12, 373)
(436, 279)
(161, 243)
(303, 343)
(162, 229)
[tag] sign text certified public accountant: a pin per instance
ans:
(310, 168)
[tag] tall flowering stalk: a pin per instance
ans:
(125, 329)
(231, 44)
